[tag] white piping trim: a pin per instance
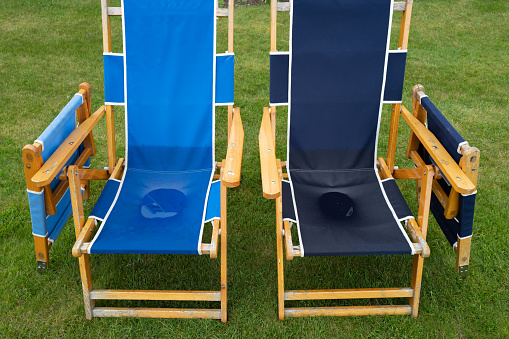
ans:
(40, 236)
(460, 145)
(466, 195)
(384, 180)
(214, 57)
(406, 218)
(114, 103)
(470, 236)
(398, 51)
(41, 143)
(278, 104)
(224, 104)
(301, 245)
(392, 101)
(279, 53)
(126, 137)
(114, 54)
(225, 53)
(113, 179)
(35, 192)
(421, 97)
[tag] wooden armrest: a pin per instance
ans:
(270, 174)
(418, 237)
(449, 168)
(57, 161)
(233, 161)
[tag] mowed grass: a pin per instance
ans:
(457, 50)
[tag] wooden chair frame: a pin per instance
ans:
(229, 174)
(33, 162)
(273, 173)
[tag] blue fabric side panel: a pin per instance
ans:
(442, 129)
(57, 221)
(113, 78)
(38, 213)
(336, 82)
(169, 76)
(214, 201)
(105, 200)
(225, 65)
(395, 76)
(466, 215)
(60, 127)
(279, 78)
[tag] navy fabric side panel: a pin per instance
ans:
(449, 226)
(170, 77)
(105, 200)
(155, 213)
(225, 65)
(466, 215)
(279, 78)
(288, 208)
(396, 199)
(442, 129)
(395, 76)
(113, 78)
(345, 213)
(338, 53)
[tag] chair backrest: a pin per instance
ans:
(335, 77)
(169, 62)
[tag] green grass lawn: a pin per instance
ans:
(458, 50)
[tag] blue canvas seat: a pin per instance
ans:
(341, 196)
(158, 199)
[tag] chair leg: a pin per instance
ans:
(224, 315)
(86, 279)
(416, 283)
(280, 267)
(41, 252)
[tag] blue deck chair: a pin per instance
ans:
(159, 199)
(50, 205)
(344, 200)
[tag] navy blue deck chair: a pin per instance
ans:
(344, 200)
(50, 205)
(159, 199)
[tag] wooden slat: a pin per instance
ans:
(56, 162)
(347, 311)
(224, 249)
(84, 236)
(157, 312)
(417, 236)
(222, 12)
(110, 134)
(385, 173)
(285, 6)
(231, 6)
(270, 176)
(288, 240)
(233, 161)
(280, 263)
(360, 293)
(393, 137)
(155, 295)
(117, 171)
(213, 242)
(456, 177)
(470, 162)
(115, 11)
(408, 173)
(462, 252)
(404, 29)
(274, 8)
(88, 174)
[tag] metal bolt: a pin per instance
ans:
(72, 142)
(434, 147)
(272, 182)
(28, 166)
(234, 144)
(458, 178)
(230, 172)
(47, 171)
(269, 150)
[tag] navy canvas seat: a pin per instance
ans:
(333, 186)
(160, 197)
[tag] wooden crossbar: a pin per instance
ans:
(155, 295)
(347, 311)
(357, 293)
(157, 312)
